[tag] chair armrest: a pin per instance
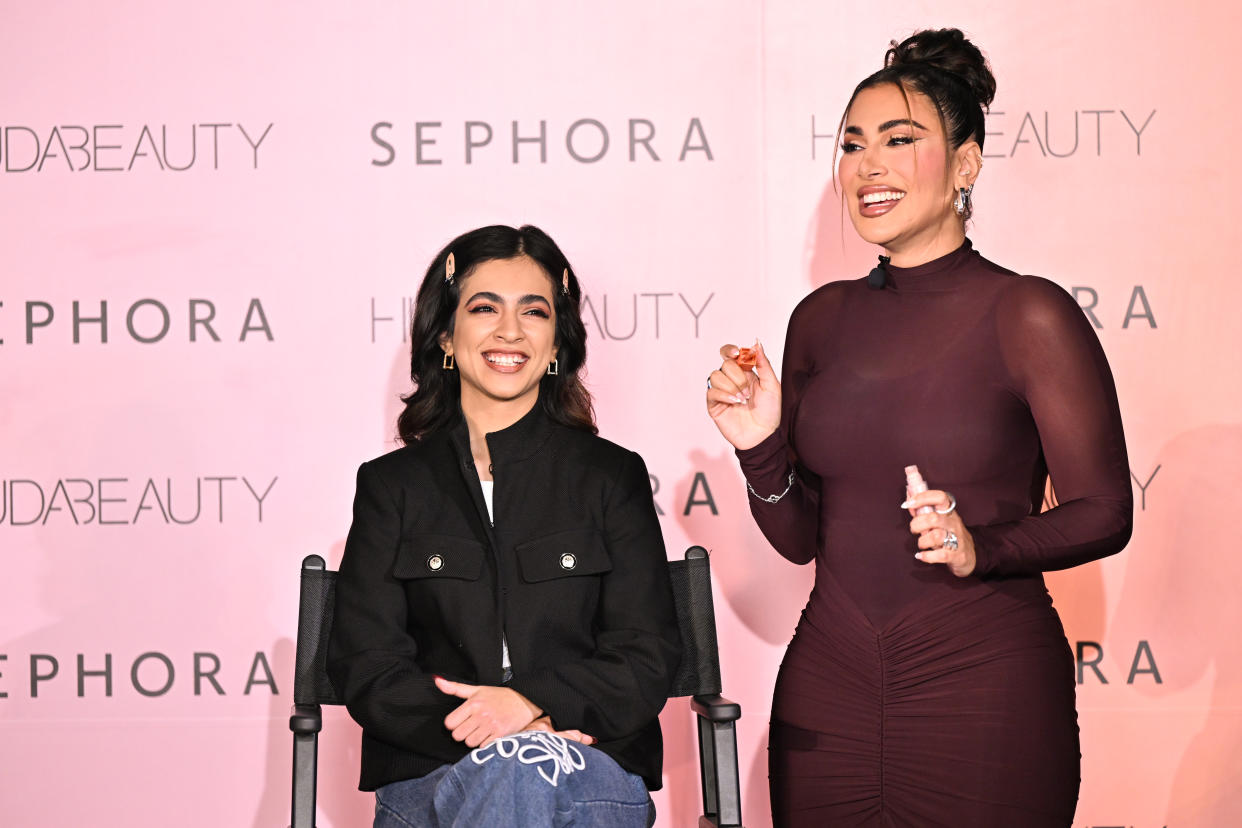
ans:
(716, 708)
(306, 718)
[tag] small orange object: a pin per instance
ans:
(747, 358)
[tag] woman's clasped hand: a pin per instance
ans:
(490, 713)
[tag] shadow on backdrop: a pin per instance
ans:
(834, 251)
(763, 590)
(1181, 594)
(273, 807)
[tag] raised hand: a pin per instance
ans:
(744, 404)
(488, 713)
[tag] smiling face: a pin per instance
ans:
(899, 180)
(504, 336)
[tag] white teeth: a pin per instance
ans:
(887, 195)
(504, 359)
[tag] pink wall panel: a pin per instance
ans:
(160, 487)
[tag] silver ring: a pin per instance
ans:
(952, 506)
(950, 540)
(709, 383)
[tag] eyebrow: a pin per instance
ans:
(886, 126)
(528, 299)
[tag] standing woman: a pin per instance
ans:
(929, 681)
(504, 629)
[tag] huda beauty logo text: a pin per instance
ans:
(643, 315)
(105, 501)
(112, 148)
(1038, 134)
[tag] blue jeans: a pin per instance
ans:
(528, 779)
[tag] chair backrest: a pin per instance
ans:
(698, 674)
(318, 594)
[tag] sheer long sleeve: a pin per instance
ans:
(1056, 363)
(783, 495)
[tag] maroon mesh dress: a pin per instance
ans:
(910, 697)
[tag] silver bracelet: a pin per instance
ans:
(776, 498)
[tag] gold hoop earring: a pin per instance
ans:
(553, 368)
(448, 363)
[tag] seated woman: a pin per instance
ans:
(504, 628)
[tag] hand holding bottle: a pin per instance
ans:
(943, 537)
(745, 404)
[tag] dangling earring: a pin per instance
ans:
(565, 282)
(450, 267)
(448, 363)
(961, 204)
(553, 368)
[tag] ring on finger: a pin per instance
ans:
(950, 540)
(952, 499)
(709, 382)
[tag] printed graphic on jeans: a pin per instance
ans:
(547, 751)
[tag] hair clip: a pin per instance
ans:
(450, 267)
(565, 282)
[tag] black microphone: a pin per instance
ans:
(878, 275)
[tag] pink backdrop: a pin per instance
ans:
(213, 220)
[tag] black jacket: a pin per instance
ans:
(574, 573)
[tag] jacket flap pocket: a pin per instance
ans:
(562, 555)
(439, 556)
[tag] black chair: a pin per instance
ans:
(698, 677)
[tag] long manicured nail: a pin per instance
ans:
(909, 504)
(737, 399)
(918, 556)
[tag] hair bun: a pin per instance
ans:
(949, 51)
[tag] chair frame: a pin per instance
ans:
(717, 716)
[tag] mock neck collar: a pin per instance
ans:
(944, 273)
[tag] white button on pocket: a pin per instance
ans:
(568, 561)
(435, 563)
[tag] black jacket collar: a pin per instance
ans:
(510, 445)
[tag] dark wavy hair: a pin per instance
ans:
(435, 402)
(950, 71)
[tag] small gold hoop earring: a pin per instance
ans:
(553, 368)
(448, 364)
